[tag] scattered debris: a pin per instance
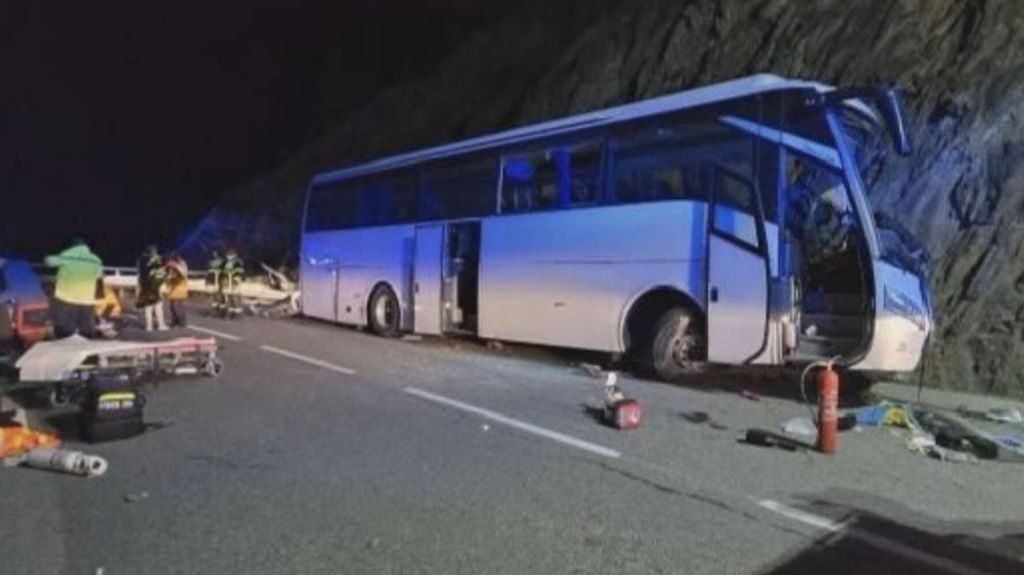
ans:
(373, 543)
(136, 497)
(696, 416)
(592, 370)
(750, 395)
(66, 461)
(495, 345)
(848, 422)
(765, 438)
(800, 426)
(620, 411)
(19, 440)
(700, 417)
(884, 413)
(1006, 415)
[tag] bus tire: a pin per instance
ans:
(384, 313)
(678, 341)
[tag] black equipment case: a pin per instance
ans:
(112, 409)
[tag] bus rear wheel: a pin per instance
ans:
(384, 312)
(678, 343)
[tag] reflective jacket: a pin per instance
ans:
(213, 269)
(177, 279)
(78, 270)
(233, 271)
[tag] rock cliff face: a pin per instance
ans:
(961, 63)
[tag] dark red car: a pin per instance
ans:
(24, 307)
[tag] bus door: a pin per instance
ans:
(462, 277)
(737, 271)
(428, 266)
(320, 287)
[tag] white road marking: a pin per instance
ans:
(515, 423)
(306, 359)
(209, 331)
(887, 545)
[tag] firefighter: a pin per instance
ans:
(177, 281)
(231, 279)
(152, 276)
(79, 272)
(214, 269)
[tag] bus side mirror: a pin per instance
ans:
(890, 104)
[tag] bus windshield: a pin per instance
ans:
(866, 138)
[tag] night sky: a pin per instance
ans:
(123, 122)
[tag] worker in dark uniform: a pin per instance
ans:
(214, 269)
(231, 279)
(152, 276)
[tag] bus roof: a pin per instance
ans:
(710, 94)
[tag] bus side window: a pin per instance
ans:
(559, 177)
(649, 167)
(530, 182)
(394, 200)
(330, 207)
(735, 208)
(457, 190)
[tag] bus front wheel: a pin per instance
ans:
(384, 312)
(677, 346)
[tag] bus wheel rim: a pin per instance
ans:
(382, 312)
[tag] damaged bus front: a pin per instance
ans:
(852, 285)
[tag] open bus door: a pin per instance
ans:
(737, 271)
(446, 278)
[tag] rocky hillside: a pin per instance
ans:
(961, 62)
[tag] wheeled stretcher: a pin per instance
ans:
(68, 363)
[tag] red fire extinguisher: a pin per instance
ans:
(828, 410)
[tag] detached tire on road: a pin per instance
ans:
(384, 312)
(677, 346)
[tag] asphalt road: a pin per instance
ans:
(325, 450)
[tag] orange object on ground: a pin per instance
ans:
(18, 440)
(828, 410)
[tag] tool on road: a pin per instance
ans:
(620, 411)
(66, 461)
(765, 438)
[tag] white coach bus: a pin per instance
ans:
(728, 224)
